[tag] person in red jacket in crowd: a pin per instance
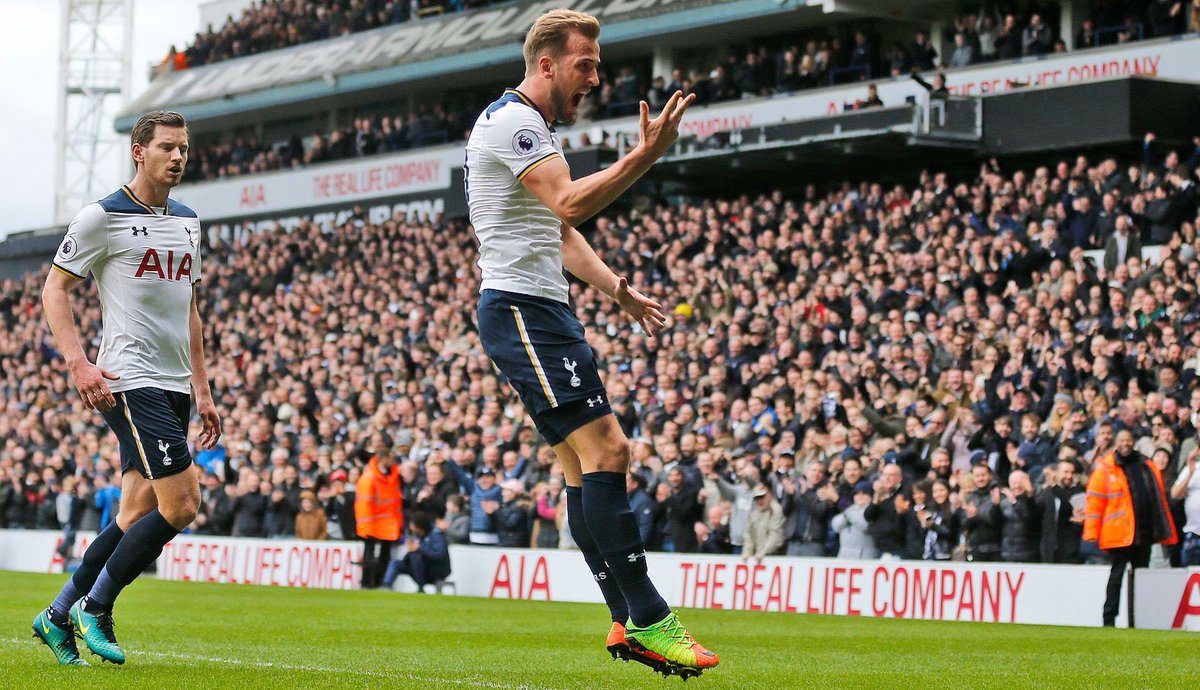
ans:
(378, 515)
(1127, 513)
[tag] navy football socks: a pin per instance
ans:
(614, 529)
(84, 577)
(140, 546)
(592, 556)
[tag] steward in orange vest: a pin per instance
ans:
(1111, 518)
(377, 501)
(1127, 513)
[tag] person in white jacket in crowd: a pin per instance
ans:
(851, 526)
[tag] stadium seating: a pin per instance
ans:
(769, 64)
(925, 326)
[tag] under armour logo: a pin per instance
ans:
(592, 402)
(576, 382)
(164, 446)
(143, 231)
(634, 556)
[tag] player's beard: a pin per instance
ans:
(560, 106)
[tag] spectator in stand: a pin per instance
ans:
(1008, 39)
(1019, 534)
(331, 334)
(854, 539)
(862, 56)
(676, 514)
(1187, 490)
(1060, 510)
(546, 498)
(1167, 17)
(1127, 513)
(764, 528)
(1121, 245)
(642, 506)
(285, 503)
(872, 100)
(512, 517)
(107, 497)
(311, 522)
(457, 522)
(713, 533)
(940, 522)
(215, 514)
(982, 517)
(339, 507)
(250, 506)
(921, 55)
(885, 523)
(1036, 39)
(433, 492)
(986, 34)
(1086, 36)
(485, 502)
(963, 53)
(809, 510)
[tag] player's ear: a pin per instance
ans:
(546, 66)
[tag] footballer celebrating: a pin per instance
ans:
(143, 251)
(525, 207)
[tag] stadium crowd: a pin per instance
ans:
(991, 30)
(926, 371)
(784, 65)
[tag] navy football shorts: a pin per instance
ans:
(538, 345)
(151, 426)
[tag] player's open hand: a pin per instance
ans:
(662, 131)
(644, 310)
(91, 382)
(210, 424)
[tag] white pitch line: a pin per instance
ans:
(280, 666)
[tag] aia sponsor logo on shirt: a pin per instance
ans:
(154, 265)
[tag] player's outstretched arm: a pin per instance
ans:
(574, 201)
(582, 262)
(88, 378)
(210, 422)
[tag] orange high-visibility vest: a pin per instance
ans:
(378, 504)
(1109, 519)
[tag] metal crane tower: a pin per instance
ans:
(94, 71)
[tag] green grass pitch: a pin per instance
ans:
(187, 635)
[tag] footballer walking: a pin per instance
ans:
(143, 251)
(525, 207)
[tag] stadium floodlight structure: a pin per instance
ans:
(95, 58)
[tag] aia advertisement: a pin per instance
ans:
(981, 592)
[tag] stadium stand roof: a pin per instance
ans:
(468, 46)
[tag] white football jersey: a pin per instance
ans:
(145, 262)
(520, 239)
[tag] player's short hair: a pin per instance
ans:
(551, 32)
(143, 131)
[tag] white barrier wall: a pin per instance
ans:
(279, 562)
(991, 592)
(36, 551)
(1167, 599)
(982, 592)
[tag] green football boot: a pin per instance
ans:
(60, 640)
(97, 633)
(669, 640)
